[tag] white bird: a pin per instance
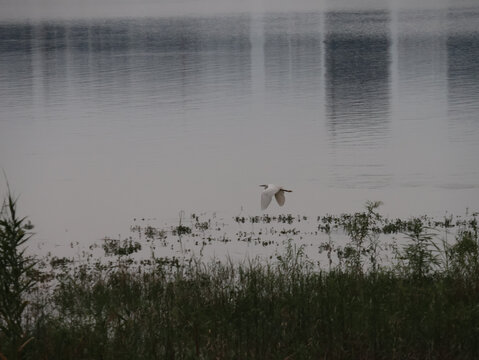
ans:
(269, 191)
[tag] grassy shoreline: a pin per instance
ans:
(422, 305)
(259, 312)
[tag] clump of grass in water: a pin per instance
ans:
(419, 254)
(362, 227)
(120, 247)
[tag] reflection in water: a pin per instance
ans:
(15, 65)
(358, 96)
(119, 61)
(420, 100)
(463, 66)
(463, 72)
(463, 90)
(292, 56)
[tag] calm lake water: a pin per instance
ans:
(104, 120)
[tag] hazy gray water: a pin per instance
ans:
(103, 121)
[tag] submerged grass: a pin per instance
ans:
(422, 305)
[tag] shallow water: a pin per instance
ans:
(107, 120)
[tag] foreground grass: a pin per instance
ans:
(260, 312)
(424, 305)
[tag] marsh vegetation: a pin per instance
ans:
(378, 289)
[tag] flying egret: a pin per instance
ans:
(269, 191)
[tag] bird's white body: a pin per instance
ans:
(271, 190)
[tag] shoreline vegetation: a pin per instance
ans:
(422, 303)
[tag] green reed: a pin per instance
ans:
(17, 279)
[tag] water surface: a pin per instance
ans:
(109, 119)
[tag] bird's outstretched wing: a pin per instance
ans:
(266, 198)
(280, 197)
